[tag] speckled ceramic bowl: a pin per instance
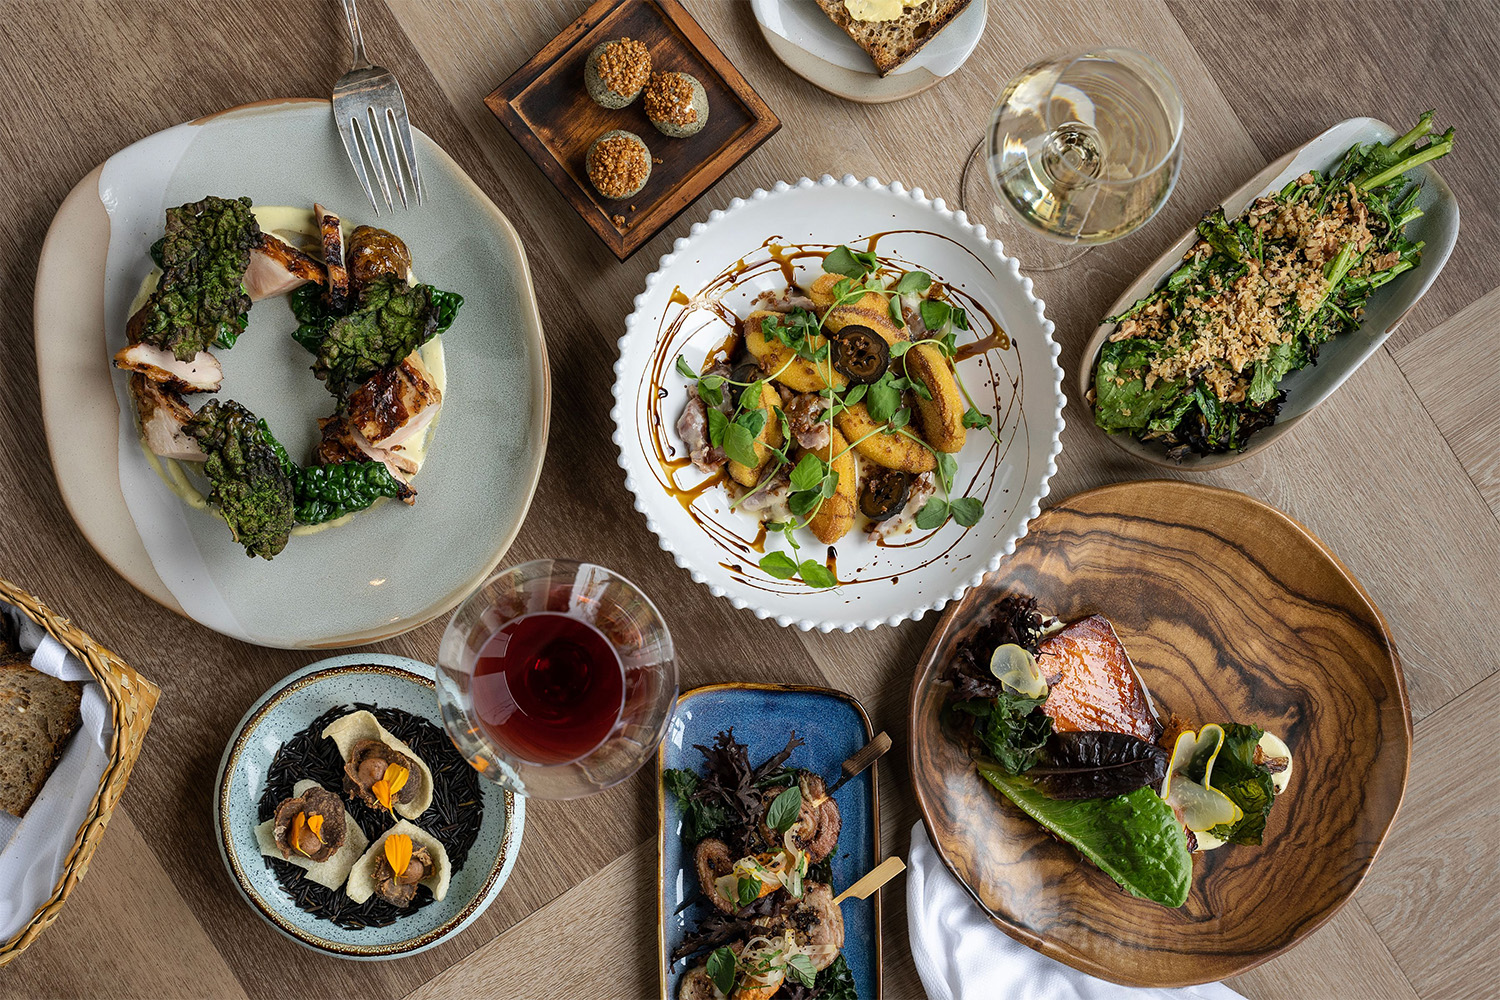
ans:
(287, 709)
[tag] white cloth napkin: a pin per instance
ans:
(960, 955)
(37, 845)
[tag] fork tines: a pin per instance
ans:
(371, 116)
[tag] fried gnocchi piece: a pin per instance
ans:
(894, 451)
(871, 310)
(941, 418)
(836, 516)
(777, 359)
(769, 437)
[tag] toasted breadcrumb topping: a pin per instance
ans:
(618, 165)
(1221, 332)
(669, 98)
(624, 66)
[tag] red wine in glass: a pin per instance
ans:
(548, 686)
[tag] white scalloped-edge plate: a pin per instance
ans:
(717, 270)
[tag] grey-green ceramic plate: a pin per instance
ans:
(287, 709)
(392, 567)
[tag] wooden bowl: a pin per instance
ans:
(1232, 612)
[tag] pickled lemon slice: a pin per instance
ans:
(1017, 671)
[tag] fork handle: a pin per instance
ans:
(351, 14)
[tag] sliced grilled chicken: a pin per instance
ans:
(277, 267)
(395, 405)
(163, 415)
(337, 289)
(200, 374)
(342, 442)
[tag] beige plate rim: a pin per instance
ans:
(1084, 962)
(81, 416)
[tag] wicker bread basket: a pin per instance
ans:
(131, 698)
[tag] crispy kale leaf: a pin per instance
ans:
(390, 321)
(327, 492)
(245, 465)
(201, 299)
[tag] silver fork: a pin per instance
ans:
(371, 115)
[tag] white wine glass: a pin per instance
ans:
(1083, 148)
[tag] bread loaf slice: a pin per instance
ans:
(891, 43)
(38, 713)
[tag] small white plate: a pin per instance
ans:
(820, 52)
(1339, 357)
(681, 312)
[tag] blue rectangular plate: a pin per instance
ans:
(834, 725)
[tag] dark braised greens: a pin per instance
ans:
(1197, 365)
(328, 492)
(249, 481)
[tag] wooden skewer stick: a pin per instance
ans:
(862, 759)
(879, 876)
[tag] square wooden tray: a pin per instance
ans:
(545, 105)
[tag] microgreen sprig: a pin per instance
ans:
(813, 478)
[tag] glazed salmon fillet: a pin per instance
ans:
(1093, 685)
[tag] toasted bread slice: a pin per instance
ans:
(38, 713)
(891, 43)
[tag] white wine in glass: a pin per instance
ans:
(1083, 148)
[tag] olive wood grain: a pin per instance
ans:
(1232, 612)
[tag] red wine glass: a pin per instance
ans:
(556, 678)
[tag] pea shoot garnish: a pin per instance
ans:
(878, 385)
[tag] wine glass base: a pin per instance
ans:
(1034, 252)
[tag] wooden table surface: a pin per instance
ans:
(1399, 472)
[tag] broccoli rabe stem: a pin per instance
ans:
(1431, 151)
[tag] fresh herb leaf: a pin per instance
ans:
(836, 982)
(935, 313)
(882, 399)
(934, 514)
(721, 969)
(747, 890)
(753, 421)
(802, 502)
(717, 425)
(901, 417)
(947, 469)
(855, 394)
(900, 347)
(808, 473)
(973, 418)
(783, 810)
(778, 565)
(912, 282)
(815, 574)
(700, 817)
(739, 445)
(1009, 728)
(960, 320)
(801, 968)
(966, 511)
(830, 484)
(852, 263)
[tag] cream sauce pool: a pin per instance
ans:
(295, 226)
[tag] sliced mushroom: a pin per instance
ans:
(713, 862)
(375, 253)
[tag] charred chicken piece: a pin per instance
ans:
(336, 293)
(163, 417)
(343, 442)
(311, 825)
(276, 267)
(201, 373)
(395, 405)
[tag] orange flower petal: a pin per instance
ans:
(398, 851)
(299, 823)
(315, 824)
(382, 792)
(395, 776)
